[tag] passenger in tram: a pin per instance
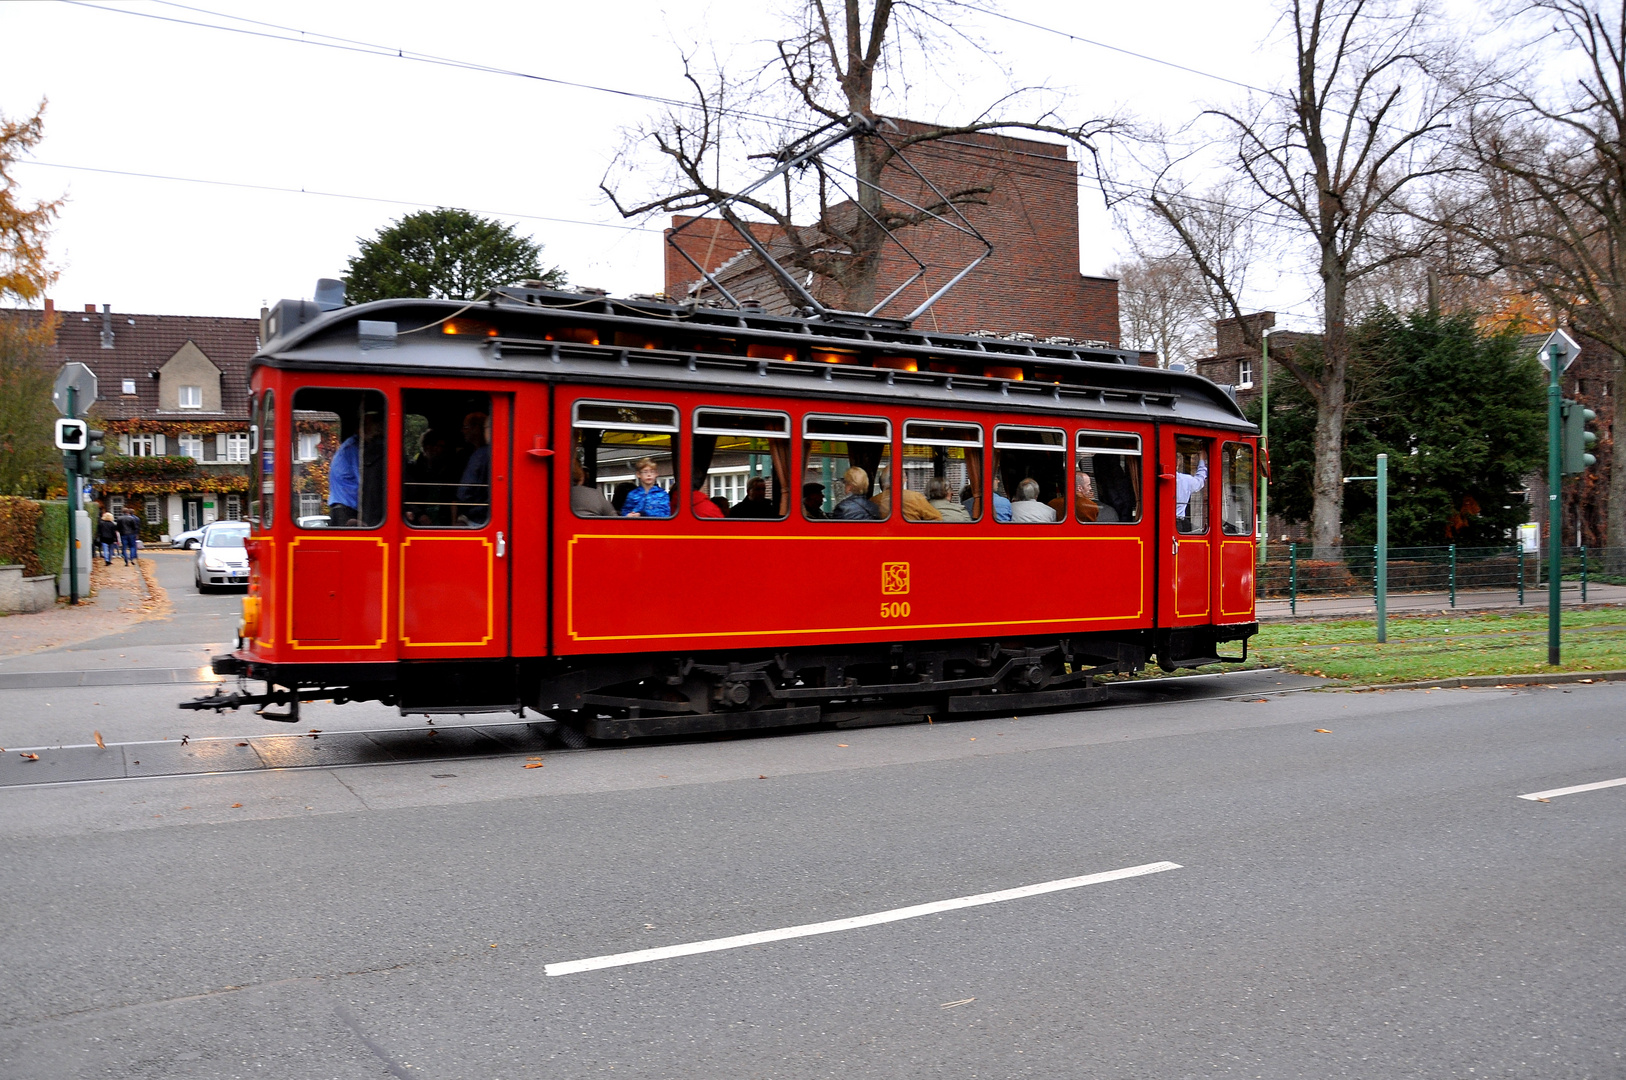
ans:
(648, 499)
(947, 509)
(917, 508)
(1185, 486)
(702, 505)
(587, 501)
(355, 479)
(1027, 508)
(1084, 496)
(856, 505)
(474, 500)
(430, 477)
(756, 503)
(1002, 505)
(1117, 490)
(813, 501)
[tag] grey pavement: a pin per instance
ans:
(1370, 899)
(1437, 603)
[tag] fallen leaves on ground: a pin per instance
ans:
(236, 806)
(1322, 731)
(31, 757)
(242, 744)
(533, 765)
(98, 737)
(842, 745)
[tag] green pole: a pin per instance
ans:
(1383, 547)
(1554, 480)
(1264, 447)
(73, 511)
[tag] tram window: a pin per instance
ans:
(1236, 490)
(741, 464)
(846, 462)
(1030, 474)
(347, 472)
(1106, 483)
(1190, 484)
(263, 438)
(445, 459)
(942, 464)
(622, 459)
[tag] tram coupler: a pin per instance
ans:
(219, 701)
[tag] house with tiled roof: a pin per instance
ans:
(173, 399)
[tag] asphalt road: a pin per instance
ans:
(1373, 900)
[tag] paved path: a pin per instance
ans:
(1436, 603)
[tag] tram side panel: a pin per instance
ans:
(683, 583)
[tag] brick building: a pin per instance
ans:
(1030, 284)
(173, 399)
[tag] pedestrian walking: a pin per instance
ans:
(129, 533)
(107, 535)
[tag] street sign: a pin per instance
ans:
(1568, 350)
(82, 380)
(70, 434)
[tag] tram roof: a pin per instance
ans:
(516, 333)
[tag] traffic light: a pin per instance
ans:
(1577, 440)
(90, 458)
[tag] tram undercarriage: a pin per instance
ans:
(647, 695)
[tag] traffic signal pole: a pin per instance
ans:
(1554, 509)
(73, 509)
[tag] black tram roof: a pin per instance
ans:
(684, 347)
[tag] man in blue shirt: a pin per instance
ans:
(345, 474)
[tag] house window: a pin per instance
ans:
(141, 446)
(310, 504)
(192, 447)
(191, 397)
(234, 508)
(310, 443)
(237, 447)
(115, 504)
(1244, 374)
(152, 509)
(129, 386)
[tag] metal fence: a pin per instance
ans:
(1291, 571)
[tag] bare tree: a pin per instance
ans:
(833, 66)
(1548, 208)
(1163, 306)
(1327, 165)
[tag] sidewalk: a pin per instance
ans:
(1438, 603)
(121, 597)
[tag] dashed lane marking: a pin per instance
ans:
(1536, 796)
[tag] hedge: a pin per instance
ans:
(20, 533)
(51, 550)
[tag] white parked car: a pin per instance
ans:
(188, 540)
(222, 559)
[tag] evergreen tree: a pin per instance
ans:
(443, 254)
(1461, 415)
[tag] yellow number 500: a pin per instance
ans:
(898, 609)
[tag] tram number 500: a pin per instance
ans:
(897, 609)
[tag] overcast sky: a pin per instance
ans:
(262, 161)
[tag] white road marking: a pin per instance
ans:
(1553, 794)
(644, 956)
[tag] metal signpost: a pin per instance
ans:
(74, 389)
(1381, 576)
(1561, 351)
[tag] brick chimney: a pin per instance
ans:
(107, 326)
(1228, 334)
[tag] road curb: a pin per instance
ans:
(1466, 681)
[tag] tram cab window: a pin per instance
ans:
(942, 465)
(847, 462)
(343, 463)
(1190, 484)
(1030, 474)
(263, 451)
(1106, 482)
(622, 459)
(1236, 489)
(741, 464)
(445, 459)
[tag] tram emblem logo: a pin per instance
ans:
(894, 579)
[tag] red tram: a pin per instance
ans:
(643, 518)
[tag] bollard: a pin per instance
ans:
(1521, 575)
(1583, 573)
(1453, 575)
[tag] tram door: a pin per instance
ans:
(453, 541)
(1187, 475)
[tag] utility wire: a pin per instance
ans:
(328, 195)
